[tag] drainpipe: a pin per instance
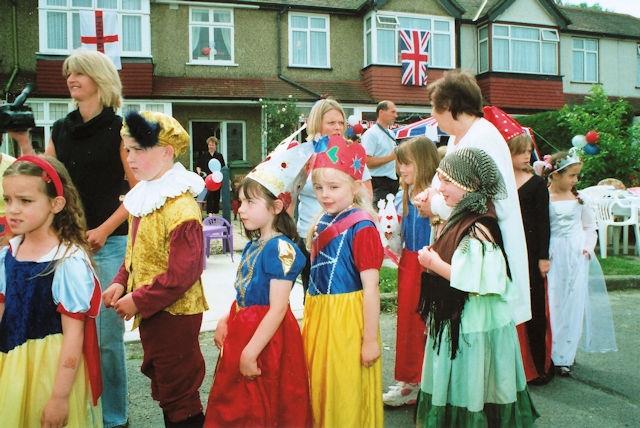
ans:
(279, 48)
(14, 29)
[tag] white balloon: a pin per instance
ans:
(579, 141)
(352, 120)
(216, 176)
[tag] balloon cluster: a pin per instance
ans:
(588, 142)
(213, 181)
(355, 128)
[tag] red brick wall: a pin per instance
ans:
(137, 79)
(529, 93)
(383, 82)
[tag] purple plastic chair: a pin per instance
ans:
(217, 227)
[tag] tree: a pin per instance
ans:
(619, 144)
(281, 119)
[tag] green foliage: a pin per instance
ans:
(550, 135)
(388, 280)
(619, 155)
(282, 118)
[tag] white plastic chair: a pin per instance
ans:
(604, 208)
(626, 205)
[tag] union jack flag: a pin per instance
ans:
(414, 56)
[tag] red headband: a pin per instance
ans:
(49, 173)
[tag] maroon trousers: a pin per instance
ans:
(174, 363)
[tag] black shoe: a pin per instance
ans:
(563, 371)
(195, 421)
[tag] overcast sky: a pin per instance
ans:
(631, 7)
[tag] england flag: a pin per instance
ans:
(99, 31)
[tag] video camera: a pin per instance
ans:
(16, 116)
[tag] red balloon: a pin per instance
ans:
(592, 137)
(358, 129)
(210, 184)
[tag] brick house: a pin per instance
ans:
(209, 63)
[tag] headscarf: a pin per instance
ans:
(474, 171)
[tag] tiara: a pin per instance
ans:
(571, 158)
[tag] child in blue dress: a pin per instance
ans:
(261, 378)
(49, 299)
(342, 307)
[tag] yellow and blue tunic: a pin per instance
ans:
(343, 391)
(35, 297)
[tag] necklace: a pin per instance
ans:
(249, 262)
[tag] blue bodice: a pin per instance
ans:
(333, 271)
(416, 230)
(29, 308)
(277, 258)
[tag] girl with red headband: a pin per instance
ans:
(49, 299)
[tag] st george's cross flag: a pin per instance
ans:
(99, 31)
(414, 45)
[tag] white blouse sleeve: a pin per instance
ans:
(478, 267)
(590, 227)
(73, 284)
(3, 278)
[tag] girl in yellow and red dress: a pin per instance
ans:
(261, 378)
(49, 298)
(417, 163)
(341, 319)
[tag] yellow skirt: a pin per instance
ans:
(27, 375)
(343, 392)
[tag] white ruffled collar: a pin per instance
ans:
(56, 252)
(148, 196)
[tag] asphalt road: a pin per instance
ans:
(604, 390)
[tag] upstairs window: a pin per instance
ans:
(638, 66)
(59, 23)
(211, 36)
(309, 40)
(584, 60)
(518, 49)
(381, 33)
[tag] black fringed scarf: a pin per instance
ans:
(440, 304)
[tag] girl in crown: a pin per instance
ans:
(472, 373)
(261, 378)
(578, 301)
(417, 162)
(341, 320)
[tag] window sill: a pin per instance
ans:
(310, 67)
(212, 63)
(577, 82)
(239, 164)
(429, 67)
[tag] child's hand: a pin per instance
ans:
(422, 202)
(544, 266)
(427, 257)
(221, 333)
(249, 365)
(96, 238)
(370, 352)
(126, 308)
(112, 294)
(55, 413)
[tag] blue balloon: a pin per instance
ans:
(214, 165)
(591, 149)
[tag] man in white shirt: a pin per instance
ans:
(379, 145)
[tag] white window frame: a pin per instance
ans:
(212, 26)
(488, 42)
(391, 18)
(327, 31)
(145, 105)
(543, 38)
(47, 120)
(638, 66)
(143, 13)
(584, 51)
(223, 137)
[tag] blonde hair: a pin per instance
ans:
(213, 139)
(101, 70)
(360, 197)
(520, 144)
(319, 109)
(423, 154)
